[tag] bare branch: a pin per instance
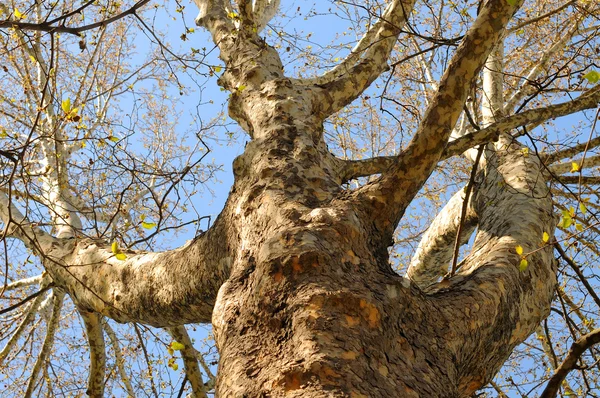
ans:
(188, 353)
(572, 151)
(29, 317)
(418, 160)
(120, 361)
(57, 25)
(570, 362)
(587, 100)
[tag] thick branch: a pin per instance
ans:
(570, 362)
(435, 249)
(567, 167)
(572, 151)
(161, 289)
(502, 299)
(366, 62)
(95, 337)
(397, 187)
(213, 16)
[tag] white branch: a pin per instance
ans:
(566, 167)
(263, 11)
(32, 309)
(527, 88)
(366, 62)
(188, 353)
(434, 253)
(114, 341)
(23, 282)
(57, 301)
(18, 226)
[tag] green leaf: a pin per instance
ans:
(66, 105)
(523, 265)
(148, 225)
(177, 346)
(512, 2)
(592, 76)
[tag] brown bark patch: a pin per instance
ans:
(371, 313)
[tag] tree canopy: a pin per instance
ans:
(415, 196)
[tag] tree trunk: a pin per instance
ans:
(312, 307)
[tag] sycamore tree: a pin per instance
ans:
(328, 272)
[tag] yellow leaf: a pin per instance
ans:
(574, 167)
(18, 14)
(582, 207)
(217, 69)
(66, 105)
(241, 88)
(545, 237)
(523, 265)
(32, 58)
(148, 225)
(113, 138)
(170, 351)
(118, 254)
(519, 250)
(177, 346)
(579, 227)
(143, 217)
(592, 76)
(525, 152)
(83, 144)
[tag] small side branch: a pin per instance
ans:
(114, 341)
(588, 100)
(188, 353)
(570, 362)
